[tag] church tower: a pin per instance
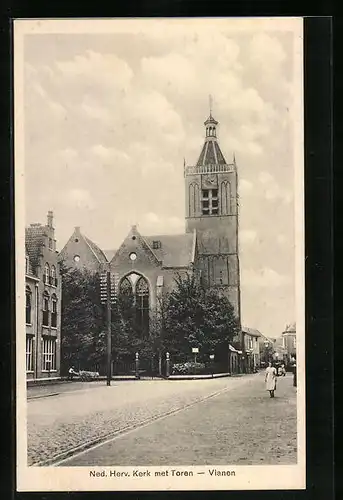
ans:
(212, 210)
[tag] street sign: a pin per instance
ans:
(195, 350)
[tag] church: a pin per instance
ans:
(146, 265)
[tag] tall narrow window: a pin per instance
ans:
(209, 202)
(49, 355)
(27, 269)
(53, 280)
(45, 309)
(54, 311)
(28, 305)
(50, 243)
(142, 306)
(29, 353)
(47, 274)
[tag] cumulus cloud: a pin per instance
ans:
(105, 69)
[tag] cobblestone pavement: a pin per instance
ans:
(243, 426)
(59, 423)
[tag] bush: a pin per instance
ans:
(189, 368)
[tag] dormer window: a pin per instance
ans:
(156, 244)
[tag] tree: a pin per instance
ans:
(82, 319)
(198, 316)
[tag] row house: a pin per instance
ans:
(251, 338)
(43, 301)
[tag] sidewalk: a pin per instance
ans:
(61, 386)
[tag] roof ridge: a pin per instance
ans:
(91, 243)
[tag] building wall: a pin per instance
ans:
(78, 247)
(31, 327)
(47, 255)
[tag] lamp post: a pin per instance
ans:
(167, 364)
(137, 365)
(212, 359)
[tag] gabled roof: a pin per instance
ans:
(110, 254)
(100, 255)
(251, 331)
(176, 249)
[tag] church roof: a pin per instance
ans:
(176, 250)
(100, 255)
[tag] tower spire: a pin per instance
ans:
(211, 103)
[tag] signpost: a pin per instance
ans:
(195, 351)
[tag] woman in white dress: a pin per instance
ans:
(270, 379)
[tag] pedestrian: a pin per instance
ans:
(282, 370)
(270, 379)
(71, 373)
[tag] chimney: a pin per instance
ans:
(50, 218)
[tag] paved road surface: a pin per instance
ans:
(239, 425)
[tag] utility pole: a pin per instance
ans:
(109, 329)
(105, 297)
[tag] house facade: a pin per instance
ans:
(289, 342)
(251, 338)
(43, 301)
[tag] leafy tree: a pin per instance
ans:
(82, 319)
(197, 316)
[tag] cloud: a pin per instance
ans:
(69, 155)
(105, 69)
(151, 223)
(109, 154)
(271, 189)
(80, 199)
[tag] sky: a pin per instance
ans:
(109, 119)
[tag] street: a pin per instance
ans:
(161, 422)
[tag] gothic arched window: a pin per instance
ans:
(142, 306)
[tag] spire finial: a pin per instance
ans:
(211, 103)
